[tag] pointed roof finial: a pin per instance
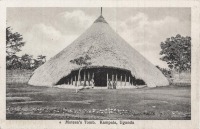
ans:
(100, 18)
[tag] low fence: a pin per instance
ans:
(181, 78)
(18, 76)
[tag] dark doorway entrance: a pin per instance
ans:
(100, 78)
(99, 75)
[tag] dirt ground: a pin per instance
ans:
(162, 103)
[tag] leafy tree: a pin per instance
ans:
(26, 61)
(13, 62)
(36, 63)
(14, 42)
(42, 58)
(83, 63)
(39, 61)
(176, 51)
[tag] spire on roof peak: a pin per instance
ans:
(101, 11)
(100, 18)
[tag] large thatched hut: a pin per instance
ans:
(113, 61)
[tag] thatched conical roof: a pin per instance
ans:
(106, 48)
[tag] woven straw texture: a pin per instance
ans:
(106, 48)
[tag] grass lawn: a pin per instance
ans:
(30, 102)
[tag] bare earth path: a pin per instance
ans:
(29, 102)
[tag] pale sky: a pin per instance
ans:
(47, 31)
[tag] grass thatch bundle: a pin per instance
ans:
(106, 48)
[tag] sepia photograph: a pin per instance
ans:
(98, 63)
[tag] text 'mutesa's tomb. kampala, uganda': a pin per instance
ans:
(112, 60)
